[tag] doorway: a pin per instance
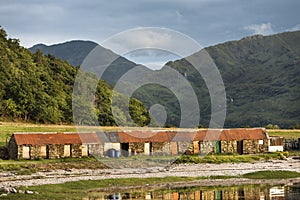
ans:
(240, 147)
(124, 149)
(47, 151)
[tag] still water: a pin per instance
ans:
(248, 192)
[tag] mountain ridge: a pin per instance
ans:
(75, 51)
(260, 77)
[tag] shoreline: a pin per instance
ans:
(10, 179)
(230, 182)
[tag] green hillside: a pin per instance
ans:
(261, 77)
(74, 51)
(38, 88)
(260, 73)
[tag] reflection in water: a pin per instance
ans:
(257, 192)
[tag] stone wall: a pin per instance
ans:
(76, 150)
(53, 151)
(291, 144)
(250, 146)
(96, 150)
(160, 148)
(255, 146)
(185, 147)
(56, 151)
(136, 148)
(206, 147)
(228, 147)
(34, 151)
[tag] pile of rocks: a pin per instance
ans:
(11, 190)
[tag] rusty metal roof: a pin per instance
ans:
(244, 134)
(141, 136)
(209, 135)
(146, 136)
(194, 135)
(46, 138)
(90, 138)
(184, 136)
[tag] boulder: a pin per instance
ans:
(13, 190)
(29, 192)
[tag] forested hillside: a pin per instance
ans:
(260, 73)
(39, 88)
(261, 77)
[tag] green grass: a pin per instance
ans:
(272, 175)
(31, 166)
(80, 189)
(287, 134)
(235, 158)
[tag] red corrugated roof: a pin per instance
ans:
(146, 136)
(209, 135)
(89, 138)
(243, 134)
(184, 136)
(46, 138)
(141, 136)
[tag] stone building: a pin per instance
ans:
(139, 142)
(91, 144)
(238, 140)
(191, 141)
(153, 142)
(242, 141)
(44, 145)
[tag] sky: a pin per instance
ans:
(209, 22)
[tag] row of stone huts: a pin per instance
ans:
(145, 142)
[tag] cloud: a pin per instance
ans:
(207, 21)
(264, 28)
(294, 28)
(152, 58)
(152, 38)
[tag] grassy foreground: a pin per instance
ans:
(234, 158)
(272, 174)
(22, 167)
(81, 189)
(287, 134)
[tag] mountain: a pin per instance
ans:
(261, 78)
(74, 52)
(260, 74)
(39, 88)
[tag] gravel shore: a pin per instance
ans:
(10, 179)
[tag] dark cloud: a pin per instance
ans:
(207, 21)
